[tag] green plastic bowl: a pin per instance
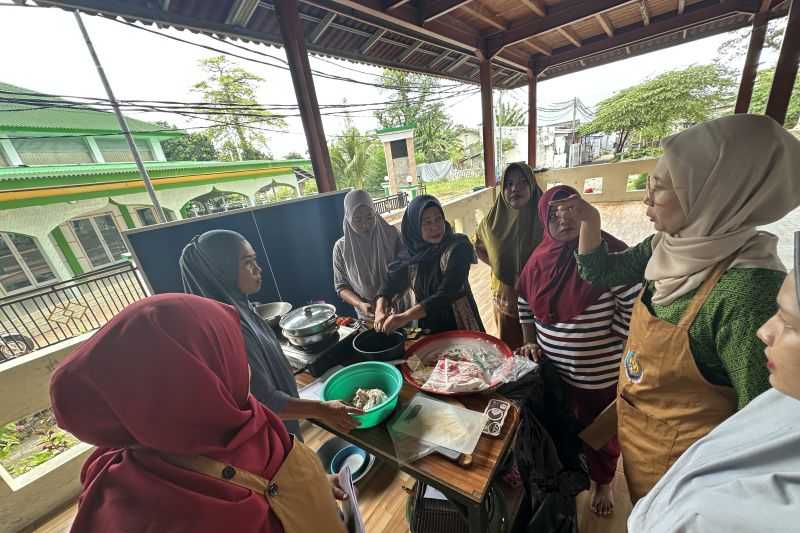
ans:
(369, 375)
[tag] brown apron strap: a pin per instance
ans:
(219, 470)
(705, 289)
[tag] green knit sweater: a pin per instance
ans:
(723, 335)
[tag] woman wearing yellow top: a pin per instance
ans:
(505, 240)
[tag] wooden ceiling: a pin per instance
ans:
(449, 37)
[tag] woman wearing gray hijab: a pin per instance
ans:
(362, 256)
(222, 265)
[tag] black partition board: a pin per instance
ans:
(294, 242)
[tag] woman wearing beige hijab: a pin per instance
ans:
(711, 279)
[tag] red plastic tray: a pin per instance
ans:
(455, 335)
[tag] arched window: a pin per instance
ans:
(22, 263)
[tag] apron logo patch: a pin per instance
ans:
(632, 367)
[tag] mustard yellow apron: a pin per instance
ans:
(299, 494)
(664, 403)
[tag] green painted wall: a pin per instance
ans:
(66, 251)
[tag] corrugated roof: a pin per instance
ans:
(26, 177)
(47, 117)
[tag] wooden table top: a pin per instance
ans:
(470, 483)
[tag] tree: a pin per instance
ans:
(237, 116)
(413, 100)
(294, 155)
(736, 46)
(350, 155)
(195, 146)
(655, 107)
(510, 115)
(761, 90)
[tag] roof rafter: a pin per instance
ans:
(570, 35)
(408, 53)
(645, 12)
(537, 6)
(372, 41)
(605, 23)
(694, 14)
(460, 61)
(393, 4)
(434, 9)
(537, 25)
(487, 16)
(241, 12)
(539, 47)
(327, 20)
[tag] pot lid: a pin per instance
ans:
(309, 316)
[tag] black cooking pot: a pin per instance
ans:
(375, 346)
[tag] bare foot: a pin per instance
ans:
(602, 500)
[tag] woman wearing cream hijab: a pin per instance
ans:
(693, 358)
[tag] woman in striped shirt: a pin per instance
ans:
(581, 328)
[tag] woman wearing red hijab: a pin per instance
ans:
(579, 327)
(163, 392)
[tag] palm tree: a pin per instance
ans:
(510, 115)
(350, 156)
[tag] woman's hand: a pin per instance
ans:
(381, 313)
(338, 492)
(393, 322)
(338, 415)
(367, 310)
(531, 351)
(576, 209)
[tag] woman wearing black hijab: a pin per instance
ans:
(222, 265)
(436, 267)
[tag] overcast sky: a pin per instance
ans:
(43, 51)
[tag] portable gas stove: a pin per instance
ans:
(319, 358)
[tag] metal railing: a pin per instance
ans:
(395, 201)
(41, 317)
(390, 203)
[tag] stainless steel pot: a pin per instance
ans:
(273, 312)
(316, 338)
(308, 320)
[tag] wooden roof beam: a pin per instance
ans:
(407, 20)
(241, 12)
(411, 51)
(606, 24)
(537, 6)
(372, 41)
(571, 36)
(394, 4)
(322, 27)
(539, 47)
(460, 61)
(695, 14)
(440, 58)
(431, 10)
(645, 12)
(483, 14)
(538, 25)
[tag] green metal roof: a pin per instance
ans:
(402, 127)
(16, 178)
(26, 117)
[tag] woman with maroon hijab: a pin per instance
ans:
(163, 392)
(581, 328)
